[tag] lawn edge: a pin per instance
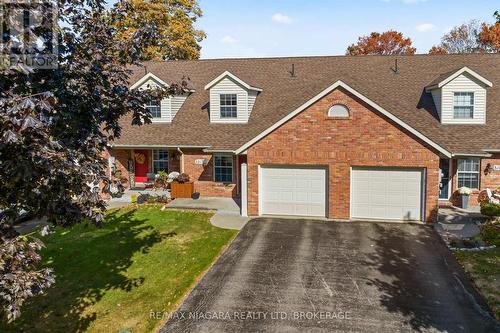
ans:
(184, 296)
(474, 285)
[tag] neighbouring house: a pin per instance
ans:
(368, 137)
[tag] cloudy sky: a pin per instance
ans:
(262, 28)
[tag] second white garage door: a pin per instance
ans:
(293, 191)
(389, 194)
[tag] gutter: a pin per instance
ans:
(492, 150)
(157, 146)
(471, 155)
(227, 151)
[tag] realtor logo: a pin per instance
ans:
(28, 34)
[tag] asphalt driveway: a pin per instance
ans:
(302, 275)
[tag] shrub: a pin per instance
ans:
(490, 233)
(490, 209)
(133, 198)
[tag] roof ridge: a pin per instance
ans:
(330, 56)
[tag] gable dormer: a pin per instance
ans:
(460, 97)
(164, 110)
(231, 99)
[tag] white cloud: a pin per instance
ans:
(425, 27)
(281, 18)
(228, 40)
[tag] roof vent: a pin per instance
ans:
(292, 72)
(395, 69)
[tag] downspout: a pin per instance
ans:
(182, 159)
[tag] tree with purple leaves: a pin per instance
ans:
(56, 122)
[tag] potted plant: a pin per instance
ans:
(464, 192)
(182, 187)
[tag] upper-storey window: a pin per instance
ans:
(338, 111)
(228, 106)
(154, 108)
(463, 105)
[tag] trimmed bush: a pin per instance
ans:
(490, 209)
(490, 233)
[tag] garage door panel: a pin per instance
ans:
(293, 191)
(379, 193)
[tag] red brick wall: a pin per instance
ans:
(489, 179)
(202, 175)
(365, 139)
(121, 162)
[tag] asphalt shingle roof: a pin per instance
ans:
(402, 94)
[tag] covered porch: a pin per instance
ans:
(214, 173)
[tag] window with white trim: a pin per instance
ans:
(223, 168)
(154, 107)
(228, 106)
(463, 105)
(468, 172)
(160, 160)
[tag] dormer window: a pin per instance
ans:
(231, 99)
(154, 107)
(463, 105)
(460, 97)
(228, 106)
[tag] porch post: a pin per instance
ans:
(244, 189)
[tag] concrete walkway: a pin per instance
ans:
(458, 223)
(227, 211)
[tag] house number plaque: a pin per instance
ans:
(200, 161)
(496, 167)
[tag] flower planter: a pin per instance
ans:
(182, 190)
(465, 200)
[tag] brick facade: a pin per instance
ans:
(366, 138)
(202, 175)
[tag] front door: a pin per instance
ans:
(444, 167)
(141, 165)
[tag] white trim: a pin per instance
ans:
(365, 99)
(259, 189)
(146, 77)
(218, 151)
(244, 189)
(232, 76)
(423, 194)
(350, 193)
(470, 155)
(464, 69)
(494, 150)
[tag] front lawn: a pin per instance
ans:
(484, 266)
(111, 278)
(484, 269)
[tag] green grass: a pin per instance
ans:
(110, 278)
(484, 268)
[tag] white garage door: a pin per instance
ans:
(293, 191)
(393, 194)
